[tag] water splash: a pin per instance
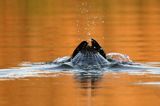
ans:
(87, 23)
(42, 69)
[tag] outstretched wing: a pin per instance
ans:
(82, 45)
(97, 47)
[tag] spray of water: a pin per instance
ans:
(88, 19)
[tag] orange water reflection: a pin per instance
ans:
(113, 90)
(44, 30)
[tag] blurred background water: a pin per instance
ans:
(42, 30)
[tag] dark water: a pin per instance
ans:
(38, 31)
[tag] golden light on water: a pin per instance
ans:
(44, 30)
(113, 90)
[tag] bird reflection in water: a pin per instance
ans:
(88, 79)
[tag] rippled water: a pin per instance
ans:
(42, 31)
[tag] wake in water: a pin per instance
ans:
(85, 60)
(40, 69)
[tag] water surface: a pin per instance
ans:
(44, 30)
